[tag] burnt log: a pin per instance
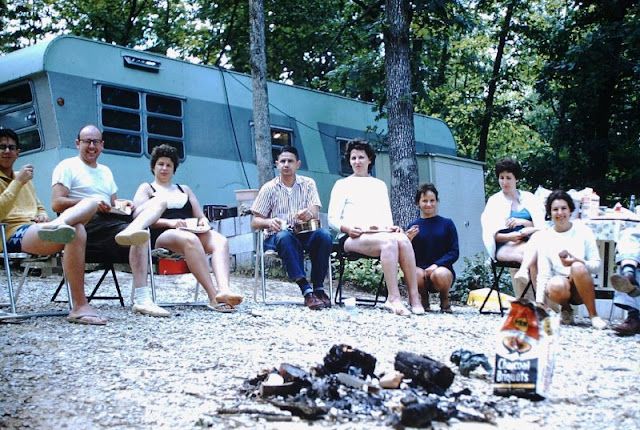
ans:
(291, 373)
(304, 408)
(430, 374)
(421, 413)
(285, 389)
(345, 359)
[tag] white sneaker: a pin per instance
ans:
(522, 276)
(598, 323)
(143, 304)
(566, 316)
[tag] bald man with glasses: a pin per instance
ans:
(81, 183)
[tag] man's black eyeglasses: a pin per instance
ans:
(95, 142)
(4, 147)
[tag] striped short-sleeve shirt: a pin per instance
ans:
(276, 200)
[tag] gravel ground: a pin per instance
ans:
(179, 372)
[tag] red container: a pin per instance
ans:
(172, 267)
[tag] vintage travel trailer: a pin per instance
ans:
(50, 90)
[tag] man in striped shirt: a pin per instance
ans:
(281, 203)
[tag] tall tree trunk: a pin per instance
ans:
(493, 82)
(262, 130)
(401, 137)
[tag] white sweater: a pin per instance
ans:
(579, 241)
(361, 201)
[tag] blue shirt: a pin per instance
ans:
(522, 214)
(436, 242)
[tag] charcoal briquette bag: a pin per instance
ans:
(524, 351)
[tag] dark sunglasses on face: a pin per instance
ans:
(4, 147)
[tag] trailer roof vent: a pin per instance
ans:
(141, 63)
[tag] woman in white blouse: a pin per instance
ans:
(509, 220)
(567, 256)
(359, 209)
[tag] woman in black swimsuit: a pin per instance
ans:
(169, 231)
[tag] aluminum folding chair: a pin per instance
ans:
(95, 258)
(28, 262)
(497, 269)
(260, 275)
(161, 253)
(344, 257)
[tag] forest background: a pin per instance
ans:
(554, 83)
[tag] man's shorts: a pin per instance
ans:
(101, 242)
(14, 243)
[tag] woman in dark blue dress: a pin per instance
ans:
(435, 244)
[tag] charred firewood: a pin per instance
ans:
(422, 412)
(304, 408)
(351, 381)
(284, 389)
(345, 359)
(292, 373)
(292, 379)
(250, 386)
(430, 374)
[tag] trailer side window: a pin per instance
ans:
(18, 112)
(135, 122)
(279, 139)
(164, 123)
(120, 116)
(345, 166)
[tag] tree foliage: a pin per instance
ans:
(564, 94)
(591, 83)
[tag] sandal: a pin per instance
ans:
(87, 319)
(60, 233)
(224, 308)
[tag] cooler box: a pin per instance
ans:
(168, 266)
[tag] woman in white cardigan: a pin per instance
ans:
(359, 209)
(510, 218)
(567, 256)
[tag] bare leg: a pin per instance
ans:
(139, 265)
(408, 266)
(81, 212)
(147, 214)
(218, 246)
(73, 264)
(135, 234)
(528, 268)
(142, 295)
(384, 246)
(442, 278)
(511, 251)
(189, 245)
(422, 287)
(389, 261)
(559, 291)
(581, 278)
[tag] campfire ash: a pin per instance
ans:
(345, 387)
